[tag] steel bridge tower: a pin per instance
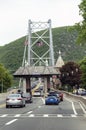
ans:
(40, 44)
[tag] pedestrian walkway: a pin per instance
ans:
(42, 115)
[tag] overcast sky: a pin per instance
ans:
(14, 15)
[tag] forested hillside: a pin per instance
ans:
(11, 55)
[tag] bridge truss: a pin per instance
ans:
(40, 44)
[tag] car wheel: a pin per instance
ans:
(7, 106)
(21, 105)
(46, 104)
(61, 99)
(31, 101)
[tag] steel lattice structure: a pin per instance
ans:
(40, 44)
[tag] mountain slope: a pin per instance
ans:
(11, 55)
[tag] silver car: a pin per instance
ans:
(15, 100)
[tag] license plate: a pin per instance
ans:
(51, 99)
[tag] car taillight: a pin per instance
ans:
(19, 99)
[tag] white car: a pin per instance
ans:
(15, 100)
(37, 93)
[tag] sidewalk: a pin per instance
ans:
(4, 95)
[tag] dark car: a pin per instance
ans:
(27, 97)
(61, 95)
(51, 100)
(57, 93)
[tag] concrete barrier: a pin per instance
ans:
(79, 98)
(4, 95)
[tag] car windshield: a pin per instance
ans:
(14, 95)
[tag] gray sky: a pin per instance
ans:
(14, 15)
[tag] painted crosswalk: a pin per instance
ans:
(42, 115)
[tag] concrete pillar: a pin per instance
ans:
(24, 85)
(28, 85)
(45, 86)
(48, 84)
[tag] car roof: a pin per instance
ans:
(52, 97)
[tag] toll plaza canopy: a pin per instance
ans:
(36, 71)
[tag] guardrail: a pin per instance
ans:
(79, 98)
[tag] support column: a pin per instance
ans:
(48, 84)
(24, 86)
(28, 85)
(45, 86)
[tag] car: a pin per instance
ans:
(57, 93)
(81, 92)
(27, 97)
(51, 100)
(37, 93)
(61, 95)
(15, 100)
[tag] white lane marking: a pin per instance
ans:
(10, 122)
(82, 108)
(29, 112)
(4, 115)
(72, 115)
(32, 115)
(17, 115)
(45, 115)
(39, 106)
(74, 110)
(59, 115)
(43, 100)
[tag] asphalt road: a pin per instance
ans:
(68, 115)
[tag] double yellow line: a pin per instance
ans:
(34, 89)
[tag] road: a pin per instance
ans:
(68, 115)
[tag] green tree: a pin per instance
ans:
(81, 26)
(70, 75)
(83, 68)
(5, 78)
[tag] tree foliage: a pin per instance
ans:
(81, 26)
(5, 78)
(70, 75)
(83, 68)
(11, 55)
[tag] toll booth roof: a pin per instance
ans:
(36, 70)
